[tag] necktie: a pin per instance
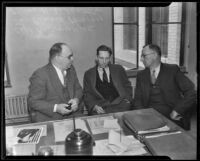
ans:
(153, 77)
(64, 77)
(105, 78)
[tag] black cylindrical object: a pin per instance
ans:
(79, 142)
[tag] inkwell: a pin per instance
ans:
(78, 142)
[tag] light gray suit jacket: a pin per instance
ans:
(46, 90)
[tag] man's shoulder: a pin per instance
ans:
(116, 66)
(170, 66)
(90, 70)
(41, 70)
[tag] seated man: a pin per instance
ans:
(106, 86)
(54, 86)
(163, 87)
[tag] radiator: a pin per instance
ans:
(16, 109)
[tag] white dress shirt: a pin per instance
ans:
(100, 71)
(60, 76)
(157, 70)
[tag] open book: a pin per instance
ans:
(144, 122)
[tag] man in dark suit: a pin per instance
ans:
(163, 87)
(106, 86)
(54, 86)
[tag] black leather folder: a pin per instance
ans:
(138, 120)
(176, 146)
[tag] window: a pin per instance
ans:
(126, 36)
(136, 26)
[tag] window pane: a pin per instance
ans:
(160, 37)
(125, 15)
(160, 14)
(168, 38)
(125, 43)
(172, 13)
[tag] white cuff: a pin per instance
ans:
(55, 108)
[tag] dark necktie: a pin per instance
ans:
(153, 77)
(105, 78)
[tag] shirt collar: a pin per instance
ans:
(101, 69)
(157, 70)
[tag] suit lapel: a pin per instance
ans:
(55, 81)
(146, 85)
(93, 80)
(114, 76)
(69, 82)
(162, 74)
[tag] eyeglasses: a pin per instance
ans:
(144, 55)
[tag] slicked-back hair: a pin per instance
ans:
(155, 48)
(56, 49)
(104, 48)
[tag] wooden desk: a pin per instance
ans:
(50, 138)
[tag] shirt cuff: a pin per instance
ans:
(55, 108)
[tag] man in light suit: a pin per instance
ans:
(164, 87)
(54, 86)
(106, 86)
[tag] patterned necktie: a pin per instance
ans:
(153, 77)
(105, 78)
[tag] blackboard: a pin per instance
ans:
(47, 22)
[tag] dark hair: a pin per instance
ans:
(55, 50)
(104, 48)
(155, 48)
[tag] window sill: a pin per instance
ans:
(133, 72)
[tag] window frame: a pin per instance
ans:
(148, 35)
(137, 41)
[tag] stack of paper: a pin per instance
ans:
(64, 128)
(103, 124)
(119, 145)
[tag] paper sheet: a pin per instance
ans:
(103, 147)
(24, 149)
(10, 138)
(100, 125)
(119, 143)
(28, 135)
(162, 129)
(44, 127)
(64, 128)
(163, 134)
(111, 124)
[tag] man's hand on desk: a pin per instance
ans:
(98, 109)
(61, 108)
(74, 104)
(175, 116)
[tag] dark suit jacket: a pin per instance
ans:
(120, 80)
(176, 89)
(46, 90)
